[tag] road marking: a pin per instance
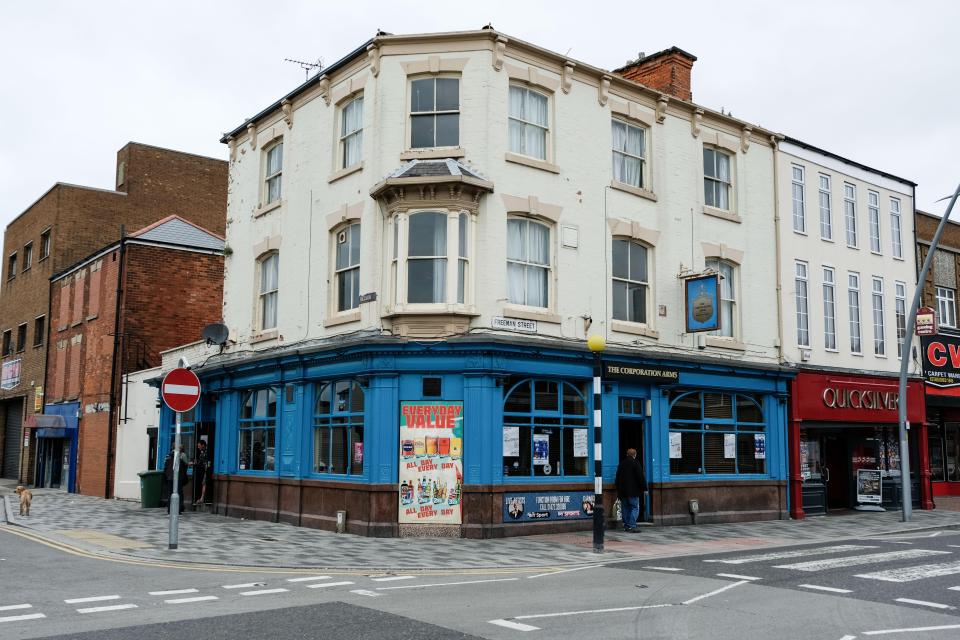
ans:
(909, 574)
(849, 638)
(366, 592)
(328, 584)
(93, 599)
(308, 578)
(245, 585)
(924, 603)
(736, 577)
(12, 607)
(852, 561)
(897, 542)
(263, 592)
(172, 592)
(194, 599)
(582, 612)
(662, 568)
(28, 616)
(113, 607)
(516, 626)
(715, 592)
(881, 632)
(393, 578)
(820, 588)
(794, 553)
(553, 573)
(954, 588)
(445, 584)
(955, 546)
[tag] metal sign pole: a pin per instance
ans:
(175, 494)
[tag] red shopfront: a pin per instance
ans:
(941, 368)
(842, 424)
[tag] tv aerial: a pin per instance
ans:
(307, 66)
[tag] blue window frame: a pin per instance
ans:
(546, 429)
(338, 444)
(258, 427)
(718, 433)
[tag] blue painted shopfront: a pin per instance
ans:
(63, 456)
(333, 414)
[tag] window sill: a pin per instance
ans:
(429, 309)
(336, 175)
(76, 323)
(267, 208)
(832, 350)
(722, 213)
(856, 353)
(800, 233)
(725, 343)
(264, 336)
(831, 240)
(900, 258)
(433, 153)
(42, 258)
(876, 253)
(637, 191)
(353, 316)
(530, 313)
(93, 317)
(635, 328)
(531, 162)
(853, 246)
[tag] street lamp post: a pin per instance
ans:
(597, 344)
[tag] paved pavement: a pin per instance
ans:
(116, 528)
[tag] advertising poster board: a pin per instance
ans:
(10, 377)
(530, 507)
(431, 462)
(869, 490)
(759, 446)
(676, 449)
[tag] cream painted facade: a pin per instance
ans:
(887, 266)
(140, 411)
(571, 191)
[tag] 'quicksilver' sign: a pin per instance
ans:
(837, 398)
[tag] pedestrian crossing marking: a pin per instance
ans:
(793, 553)
(909, 574)
(822, 588)
(924, 603)
(852, 561)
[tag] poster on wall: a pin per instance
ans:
(541, 449)
(759, 446)
(431, 462)
(11, 374)
(511, 442)
(676, 451)
(729, 445)
(869, 488)
(579, 443)
(527, 507)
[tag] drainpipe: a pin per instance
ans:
(113, 362)
(778, 248)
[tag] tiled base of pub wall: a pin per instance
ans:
(720, 501)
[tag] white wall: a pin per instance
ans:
(139, 405)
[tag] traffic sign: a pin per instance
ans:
(181, 390)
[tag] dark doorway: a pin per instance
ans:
(631, 437)
(836, 471)
(50, 459)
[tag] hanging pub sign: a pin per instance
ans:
(941, 361)
(926, 324)
(702, 296)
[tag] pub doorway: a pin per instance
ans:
(631, 428)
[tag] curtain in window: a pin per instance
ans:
(528, 255)
(426, 269)
(352, 132)
(515, 131)
(628, 147)
(268, 291)
(536, 137)
(723, 173)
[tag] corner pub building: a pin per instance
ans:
(422, 238)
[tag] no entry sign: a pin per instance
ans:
(181, 390)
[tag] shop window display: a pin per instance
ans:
(716, 433)
(258, 424)
(338, 444)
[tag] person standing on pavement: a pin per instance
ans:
(200, 465)
(181, 477)
(631, 485)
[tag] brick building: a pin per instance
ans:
(64, 225)
(111, 314)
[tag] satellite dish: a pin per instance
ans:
(216, 333)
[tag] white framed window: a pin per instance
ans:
(347, 267)
(273, 172)
(717, 180)
(631, 281)
(853, 304)
(946, 307)
(900, 308)
(529, 122)
(896, 229)
(801, 297)
(629, 153)
(879, 329)
(351, 133)
(434, 112)
(729, 314)
(528, 262)
(799, 204)
(268, 266)
(829, 310)
(826, 209)
(873, 215)
(850, 213)
(431, 263)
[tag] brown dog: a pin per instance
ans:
(26, 497)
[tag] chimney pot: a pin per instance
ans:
(667, 71)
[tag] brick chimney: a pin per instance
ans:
(667, 71)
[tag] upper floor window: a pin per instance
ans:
(873, 214)
(826, 210)
(896, 237)
(529, 122)
(629, 154)
(27, 256)
(717, 433)
(434, 112)
(528, 262)
(39, 330)
(829, 310)
(258, 425)
(45, 244)
(273, 172)
(631, 282)
(799, 205)
(803, 311)
(729, 316)
(427, 258)
(338, 429)
(21, 337)
(716, 178)
(879, 330)
(269, 267)
(12, 266)
(900, 309)
(947, 307)
(853, 303)
(351, 133)
(850, 213)
(7, 342)
(347, 269)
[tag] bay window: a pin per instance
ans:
(431, 257)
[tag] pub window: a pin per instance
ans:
(546, 429)
(258, 425)
(338, 429)
(716, 433)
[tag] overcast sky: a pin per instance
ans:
(874, 81)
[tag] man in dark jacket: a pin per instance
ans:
(168, 477)
(631, 485)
